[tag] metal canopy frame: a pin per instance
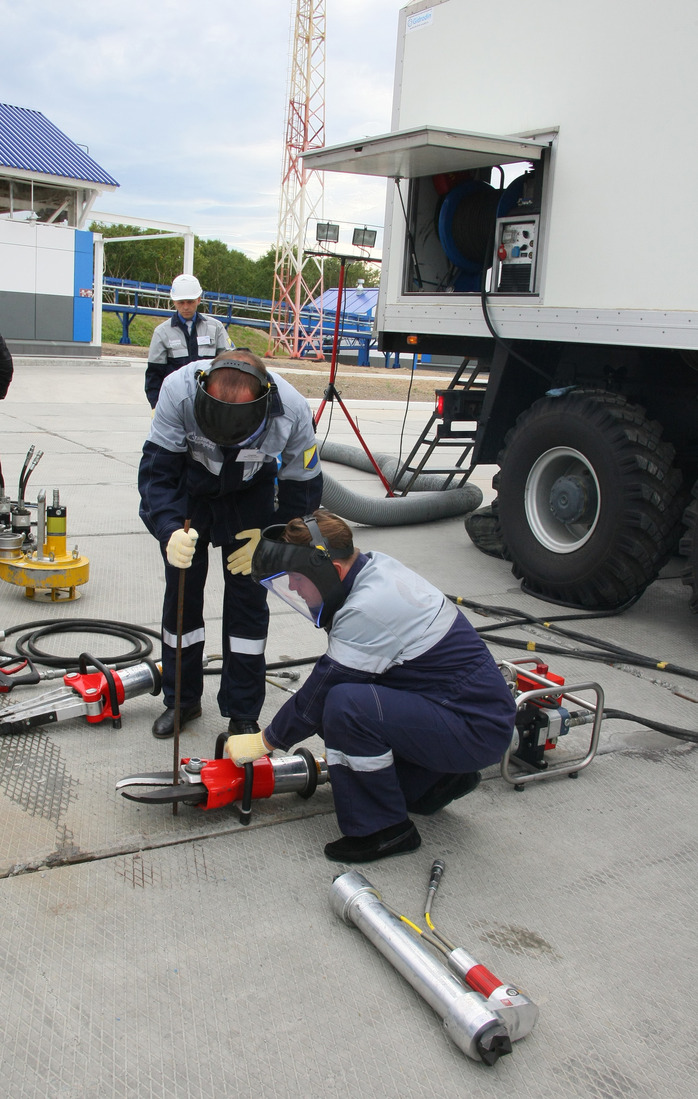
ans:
(424, 151)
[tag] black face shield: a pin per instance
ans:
(223, 422)
(303, 576)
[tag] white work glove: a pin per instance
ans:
(181, 546)
(241, 559)
(245, 748)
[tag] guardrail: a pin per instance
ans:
(128, 299)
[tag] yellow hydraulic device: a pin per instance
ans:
(45, 569)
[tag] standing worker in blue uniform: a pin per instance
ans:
(211, 457)
(187, 337)
(407, 698)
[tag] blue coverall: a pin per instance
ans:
(223, 490)
(406, 693)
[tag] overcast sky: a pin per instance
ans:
(184, 103)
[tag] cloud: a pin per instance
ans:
(185, 104)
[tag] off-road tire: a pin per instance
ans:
(483, 529)
(630, 523)
(689, 548)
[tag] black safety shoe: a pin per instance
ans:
(163, 726)
(240, 726)
(443, 792)
(395, 840)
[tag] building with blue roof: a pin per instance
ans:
(48, 186)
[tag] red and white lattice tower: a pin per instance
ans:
(293, 328)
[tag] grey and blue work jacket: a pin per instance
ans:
(173, 345)
(398, 630)
(181, 468)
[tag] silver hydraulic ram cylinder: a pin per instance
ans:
(467, 1019)
(139, 678)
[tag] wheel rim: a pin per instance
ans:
(562, 500)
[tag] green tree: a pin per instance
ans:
(262, 283)
(144, 261)
(218, 268)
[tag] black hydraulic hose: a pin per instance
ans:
(138, 636)
(605, 654)
(37, 457)
(277, 666)
(605, 649)
(657, 726)
(23, 470)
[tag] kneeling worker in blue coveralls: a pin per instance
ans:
(407, 698)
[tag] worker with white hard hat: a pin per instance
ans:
(187, 337)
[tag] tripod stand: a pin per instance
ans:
(332, 393)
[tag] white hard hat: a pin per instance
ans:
(186, 288)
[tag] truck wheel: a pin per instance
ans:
(689, 548)
(589, 503)
(483, 529)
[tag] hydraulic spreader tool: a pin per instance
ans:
(481, 1014)
(94, 695)
(215, 783)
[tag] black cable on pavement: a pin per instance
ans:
(605, 649)
(606, 653)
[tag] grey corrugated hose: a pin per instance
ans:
(429, 501)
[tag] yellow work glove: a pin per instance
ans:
(241, 559)
(245, 748)
(181, 546)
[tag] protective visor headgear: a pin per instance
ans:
(224, 422)
(303, 576)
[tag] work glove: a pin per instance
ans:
(181, 546)
(241, 560)
(245, 748)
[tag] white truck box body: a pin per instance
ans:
(611, 87)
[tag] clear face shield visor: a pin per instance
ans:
(298, 592)
(303, 576)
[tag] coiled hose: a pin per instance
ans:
(430, 502)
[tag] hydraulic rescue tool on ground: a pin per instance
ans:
(40, 564)
(214, 783)
(96, 692)
(541, 720)
(94, 695)
(481, 1014)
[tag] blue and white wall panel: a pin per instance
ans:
(45, 282)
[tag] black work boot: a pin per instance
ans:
(163, 726)
(443, 792)
(398, 839)
(241, 726)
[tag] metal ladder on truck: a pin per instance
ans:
(460, 403)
